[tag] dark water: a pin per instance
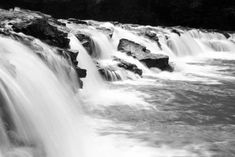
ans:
(191, 115)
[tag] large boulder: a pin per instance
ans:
(142, 54)
(157, 60)
(41, 29)
(132, 49)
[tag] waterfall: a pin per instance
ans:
(40, 114)
(93, 79)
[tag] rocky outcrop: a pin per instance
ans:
(72, 58)
(36, 25)
(132, 49)
(41, 29)
(143, 54)
(157, 60)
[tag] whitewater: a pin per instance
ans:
(189, 112)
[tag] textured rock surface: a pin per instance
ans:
(133, 49)
(157, 60)
(144, 55)
(36, 25)
(42, 30)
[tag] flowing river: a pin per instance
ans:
(186, 113)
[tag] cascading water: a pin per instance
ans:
(187, 112)
(93, 79)
(42, 112)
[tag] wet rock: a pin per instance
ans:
(107, 31)
(68, 55)
(176, 32)
(157, 61)
(77, 21)
(227, 35)
(87, 42)
(142, 54)
(128, 66)
(80, 82)
(41, 29)
(132, 49)
(82, 73)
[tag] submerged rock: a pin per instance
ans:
(142, 54)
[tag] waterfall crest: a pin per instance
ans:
(40, 114)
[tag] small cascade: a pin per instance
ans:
(103, 48)
(93, 79)
(40, 113)
(175, 42)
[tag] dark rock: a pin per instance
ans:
(73, 57)
(176, 32)
(131, 48)
(150, 34)
(87, 42)
(82, 73)
(68, 55)
(80, 82)
(40, 28)
(157, 60)
(128, 66)
(77, 21)
(227, 35)
(142, 54)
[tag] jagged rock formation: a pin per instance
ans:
(39, 26)
(26, 26)
(144, 55)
